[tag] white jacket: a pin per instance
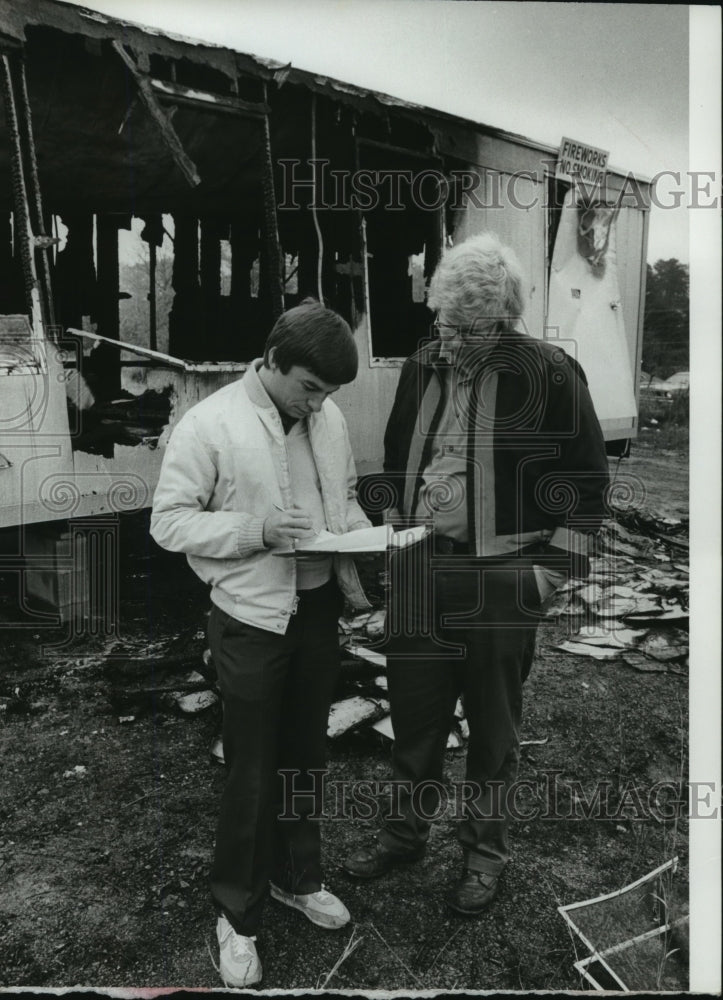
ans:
(225, 467)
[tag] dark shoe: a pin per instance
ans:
(376, 860)
(473, 893)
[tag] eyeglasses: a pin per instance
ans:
(469, 332)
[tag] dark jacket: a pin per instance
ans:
(537, 471)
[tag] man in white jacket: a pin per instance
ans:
(248, 471)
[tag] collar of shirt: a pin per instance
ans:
(259, 396)
(469, 359)
(255, 387)
(461, 369)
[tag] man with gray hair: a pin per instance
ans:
(493, 440)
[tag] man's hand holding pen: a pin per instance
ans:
(284, 528)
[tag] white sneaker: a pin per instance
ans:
(322, 907)
(239, 962)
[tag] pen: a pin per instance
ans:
(284, 511)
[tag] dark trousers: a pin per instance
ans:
(276, 694)
(458, 626)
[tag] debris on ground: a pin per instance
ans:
(151, 796)
(629, 608)
(672, 645)
(582, 649)
(352, 712)
(79, 771)
(197, 700)
(370, 655)
(376, 624)
(216, 749)
(458, 735)
(384, 727)
(634, 935)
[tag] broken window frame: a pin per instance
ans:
(27, 228)
(567, 911)
(432, 161)
(152, 91)
(582, 967)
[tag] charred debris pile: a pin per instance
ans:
(633, 608)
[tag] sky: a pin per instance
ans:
(612, 75)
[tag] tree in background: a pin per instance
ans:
(666, 328)
(134, 305)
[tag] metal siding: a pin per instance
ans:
(35, 438)
(366, 403)
(630, 239)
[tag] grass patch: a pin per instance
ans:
(665, 423)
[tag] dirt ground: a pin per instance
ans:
(103, 870)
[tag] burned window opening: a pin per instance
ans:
(404, 242)
(146, 298)
(194, 285)
(225, 253)
(98, 424)
(205, 324)
(191, 74)
(291, 274)
(341, 268)
(321, 232)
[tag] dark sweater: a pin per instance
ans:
(537, 471)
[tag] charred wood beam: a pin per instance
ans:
(271, 246)
(154, 357)
(43, 242)
(306, 280)
(211, 234)
(107, 373)
(201, 98)
(23, 228)
(75, 271)
(183, 321)
(152, 320)
(107, 227)
(184, 163)
(153, 235)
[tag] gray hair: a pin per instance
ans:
(478, 284)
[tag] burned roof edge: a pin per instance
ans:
(73, 19)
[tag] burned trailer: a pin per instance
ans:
(163, 201)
